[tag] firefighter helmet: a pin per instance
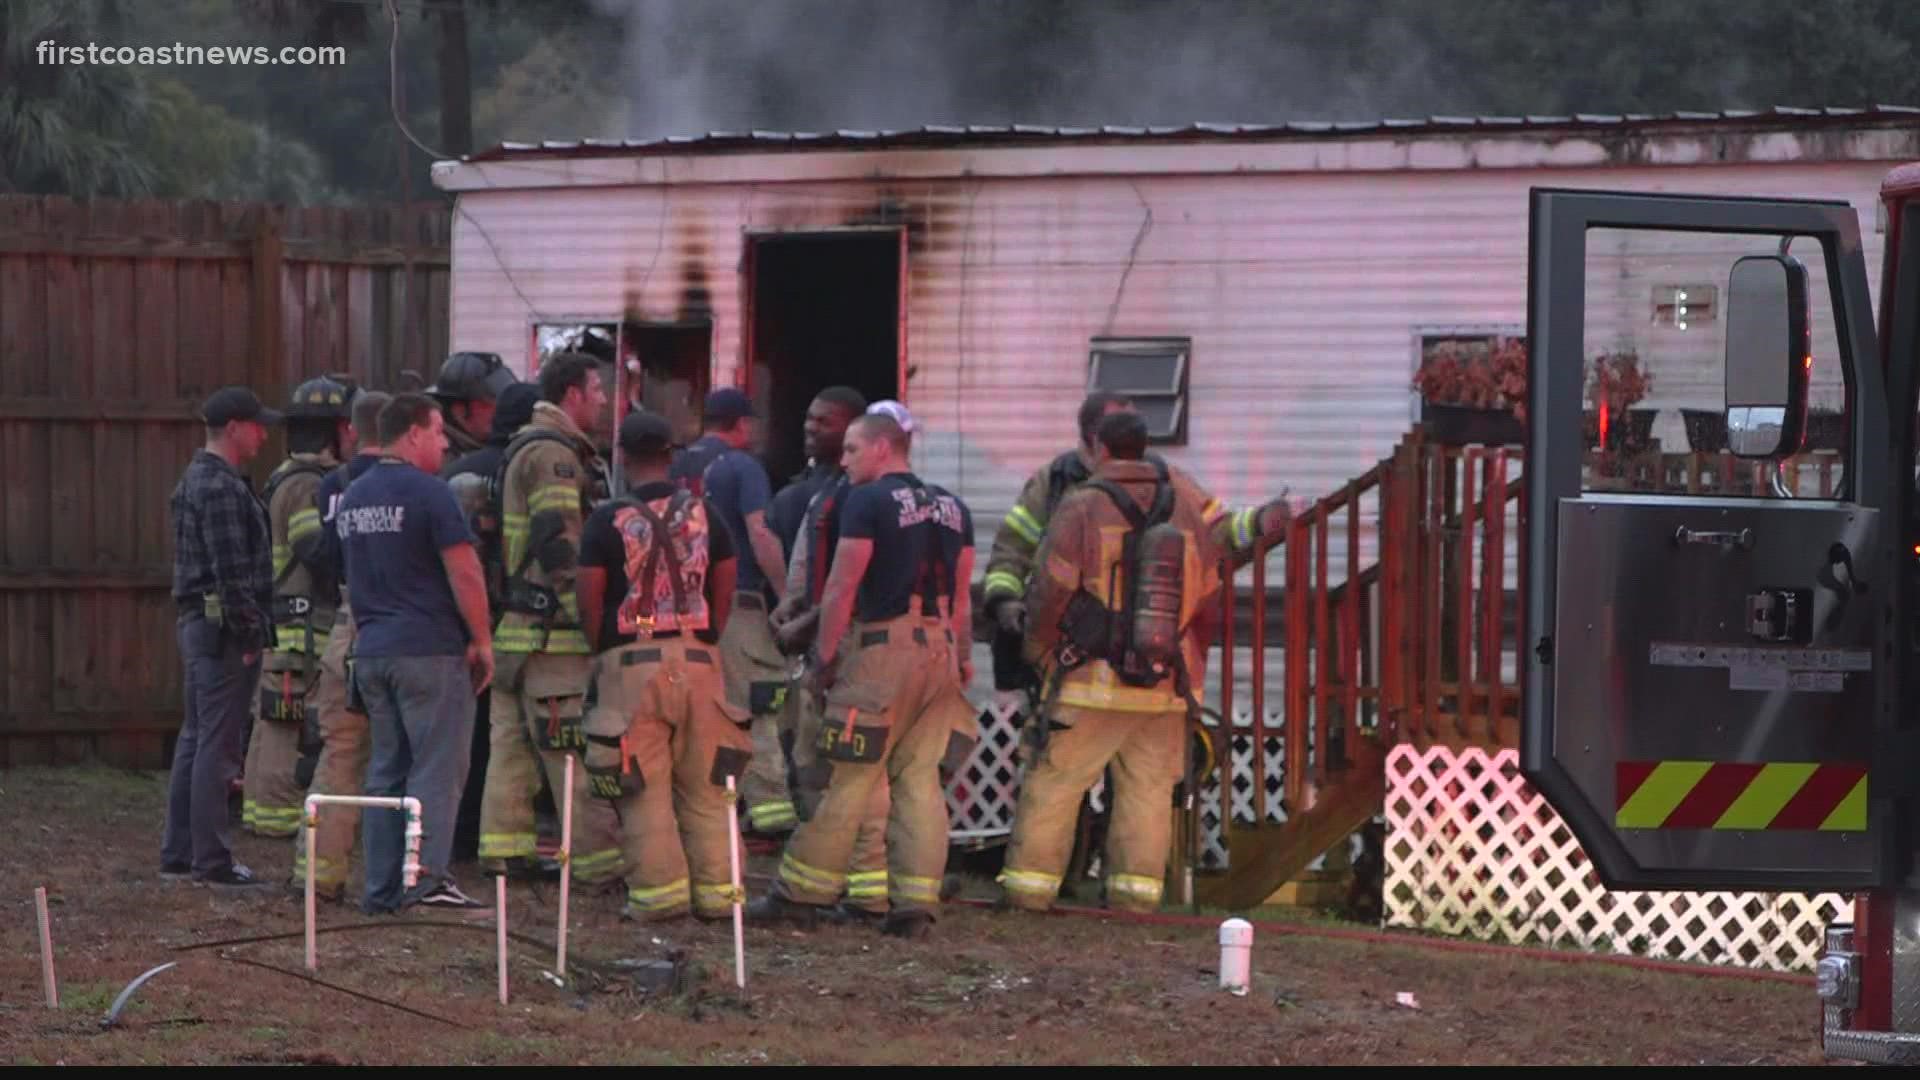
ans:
(472, 376)
(324, 398)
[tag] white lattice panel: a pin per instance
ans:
(983, 795)
(1473, 849)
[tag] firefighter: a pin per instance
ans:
(1123, 669)
(471, 477)
(892, 683)
(543, 661)
(469, 386)
(656, 581)
(718, 467)
(305, 595)
(1011, 560)
(794, 621)
(344, 740)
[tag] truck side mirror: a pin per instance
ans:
(1769, 356)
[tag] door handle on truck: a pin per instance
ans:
(1741, 539)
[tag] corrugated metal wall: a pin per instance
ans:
(1303, 292)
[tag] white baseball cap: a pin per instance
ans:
(894, 411)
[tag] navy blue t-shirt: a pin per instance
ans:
(737, 484)
(394, 522)
(788, 510)
(906, 520)
(326, 499)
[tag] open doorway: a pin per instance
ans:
(825, 311)
(660, 366)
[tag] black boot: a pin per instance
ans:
(774, 908)
(912, 925)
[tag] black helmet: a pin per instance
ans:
(472, 376)
(323, 398)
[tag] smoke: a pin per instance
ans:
(693, 66)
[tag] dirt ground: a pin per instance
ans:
(986, 989)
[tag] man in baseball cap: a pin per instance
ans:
(232, 403)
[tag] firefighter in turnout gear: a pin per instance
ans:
(1011, 562)
(816, 529)
(1129, 560)
(892, 682)
(469, 386)
(543, 660)
(345, 742)
(718, 467)
(305, 596)
(656, 581)
(471, 478)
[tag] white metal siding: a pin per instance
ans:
(1300, 292)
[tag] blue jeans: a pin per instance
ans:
(420, 715)
(206, 757)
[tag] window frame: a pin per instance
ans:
(1150, 345)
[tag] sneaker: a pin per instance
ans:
(175, 871)
(445, 894)
(231, 876)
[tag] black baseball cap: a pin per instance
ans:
(645, 434)
(237, 403)
(728, 403)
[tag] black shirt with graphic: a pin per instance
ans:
(618, 538)
(906, 520)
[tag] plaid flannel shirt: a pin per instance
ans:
(221, 548)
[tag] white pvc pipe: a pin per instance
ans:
(566, 869)
(1236, 956)
(46, 947)
(500, 931)
(733, 861)
(409, 869)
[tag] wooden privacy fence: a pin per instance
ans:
(116, 321)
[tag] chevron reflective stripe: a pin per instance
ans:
(513, 537)
(326, 872)
(1025, 524)
(276, 820)
(809, 881)
(597, 865)
(302, 524)
(507, 845)
(711, 898)
(867, 885)
(1030, 882)
(773, 814)
(660, 897)
(1769, 796)
(554, 497)
(1243, 528)
(1136, 886)
(532, 639)
(915, 890)
(293, 639)
(1002, 583)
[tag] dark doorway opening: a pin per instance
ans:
(826, 312)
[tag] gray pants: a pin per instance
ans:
(206, 757)
(420, 715)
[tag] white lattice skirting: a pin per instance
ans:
(1473, 849)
